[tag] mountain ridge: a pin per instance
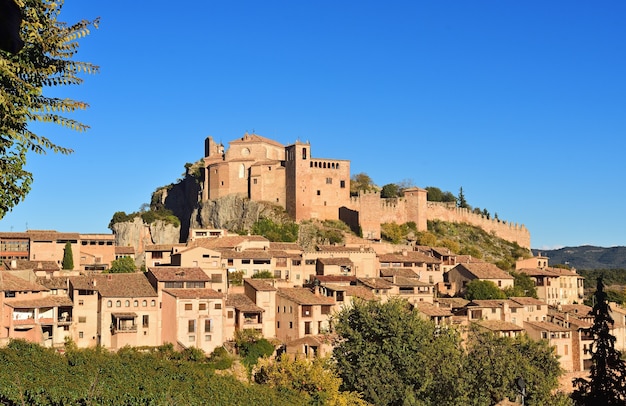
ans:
(587, 256)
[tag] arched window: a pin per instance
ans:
(144, 303)
(242, 170)
(127, 303)
(118, 303)
(136, 303)
(109, 303)
(303, 153)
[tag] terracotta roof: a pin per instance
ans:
(229, 241)
(546, 326)
(54, 282)
(411, 256)
(406, 272)
(467, 259)
(452, 302)
(12, 283)
(285, 246)
(249, 254)
(51, 235)
(355, 291)
(580, 309)
(162, 247)
(171, 273)
(313, 340)
(499, 325)
(342, 248)
(38, 303)
(251, 138)
(115, 284)
(491, 303)
(242, 303)
(403, 281)
(523, 300)
(432, 310)
(335, 278)
(194, 293)
(124, 250)
(376, 283)
(335, 261)
(304, 296)
(563, 272)
(484, 270)
(259, 285)
(23, 264)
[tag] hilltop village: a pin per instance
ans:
(198, 293)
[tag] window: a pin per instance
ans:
(192, 285)
(291, 324)
(173, 285)
(144, 303)
(118, 303)
(136, 303)
(80, 334)
(109, 303)
(325, 309)
(192, 338)
(188, 306)
(145, 320)
(207, 337)
(303, 153)
(319, 192)
(329, 181)
(82, 319)
(277, 274)
(278, 324)
(207, 325)
(230, 314)
(191, 326)
(307, 327)
(309, 262)
(342, 184)
(127, 303)
(153, 303)
(218, 305)
(157, 255)
(81, 302)
(254, 181)
(202, 306)
(216, 278)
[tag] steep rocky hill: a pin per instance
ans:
(587, 257)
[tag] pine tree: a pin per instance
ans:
(68, 257)
(460, 201)
(606, 384)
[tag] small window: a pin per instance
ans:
(118, 303)
(342, 184)
(81, 302)
(153, 303)
(136, 303)
(127, 303)
(218, 305)
(329, 181)
(191, 326)
(319, 192)
(146, 320)
(193, 338)
(109, 303)
(82, 319)
(291, 324)
(207, 337)
(202, 306)
(144, 303)
(80, 334)
(188, 306)
(207, 325)
(278, 324)
(230, 314)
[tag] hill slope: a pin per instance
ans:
(587, 257)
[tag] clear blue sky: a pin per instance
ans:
(520, 103)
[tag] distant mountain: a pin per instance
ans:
(587, 257)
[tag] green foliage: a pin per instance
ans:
(122, 265)
(461, 201)
(34, 375)
(313, 380)
(480, 289)
(609, 276)
(396, 233)
(285, 232)
(523, 285)
(418, 363)
(436, 195)
(220, 359)
(361, 182)
(263, 275)
(605, 385)
(45, 61)
(148, 217)
(235, 278)
(68, 257)
(251, 346)
(390, 190)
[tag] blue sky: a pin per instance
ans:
(522, 104)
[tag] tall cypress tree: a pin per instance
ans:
(68, 257)
(607, 381)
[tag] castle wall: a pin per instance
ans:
(508, 231)
(267, 183)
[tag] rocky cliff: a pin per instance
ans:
(138, 234)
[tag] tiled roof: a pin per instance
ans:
(355, 291)
(406, 272)
(485, 270)
(499, 325)
(342, 248)
(242, 303)
(528, 301)
(467, 259)
(285, 246)
(162, 247)
(51, 235)
(432, 310)
(494, 303)
(335, 278)
(249, 254)
(124, 250)
(194, 293)
(313, 340)
(537, 272)
(259, 285)
(12, 283)
(38, 303)
(452, 302)
(116, 284)
(304, 296)
(251, 138)
(546, 326)
(23, 264)
(376, 283)
(230, 241)
(171, 273)
(335, 261)
(54, 282)
(408, 282)
(411, 256)
(563, 272)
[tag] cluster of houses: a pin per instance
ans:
(198, 294)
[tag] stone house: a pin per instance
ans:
(301, 312)
(558, 336)
(462, 274)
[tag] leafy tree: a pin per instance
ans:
(436, 195)
(263, 275)
(314, 380)
(481, 289)
(390, 190)
(387, 352)
(45, 60)
(426, 238)
(392, 232)
(252, 346)
(607, 376)
(523, 285)
(68, 257)
(286, 232)
(460, 200)
(123, 265)
(361, 182)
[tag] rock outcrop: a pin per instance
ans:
(138, 234)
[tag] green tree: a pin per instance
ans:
(460, 200)
(436, 195)
(68, 257)
(361, 182)
(45, 61)
(390, 190)
(523, 285)
(263, 275)
(607, 376)
(481, 289)
(122, 265)
(392, 356)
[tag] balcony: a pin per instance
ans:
(124, 329)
